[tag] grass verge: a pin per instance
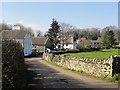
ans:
(115, 78)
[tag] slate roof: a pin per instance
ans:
(98, 40)
(13, 34)
(39, 40)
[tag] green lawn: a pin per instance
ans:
(105, 53)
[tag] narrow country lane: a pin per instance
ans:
(44, 75)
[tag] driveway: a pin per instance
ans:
(41, 74)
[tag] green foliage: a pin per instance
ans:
(53, 32)
(75, 35)
(13, 67)
(108, 38)
(72, 50)
(105, 53)
(116, 77)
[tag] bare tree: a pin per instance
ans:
(39, 33)
(24, 28)
(66, 27)
(5, 26)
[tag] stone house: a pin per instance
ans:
(85, 43)
(23, 37)
(41, 44)
(96, 43)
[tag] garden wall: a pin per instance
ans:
(96, 67)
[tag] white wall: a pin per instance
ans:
(27, 43)
(69, 46)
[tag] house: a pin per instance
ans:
(96, 43)
(69, 43)
(16, 27)
(41, 44)
(23, 37)
(83, 43)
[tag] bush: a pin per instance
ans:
(13, 66)
(116, 77)
(72, 50)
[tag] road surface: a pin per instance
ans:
(41, 74)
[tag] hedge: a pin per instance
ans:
(13, 66)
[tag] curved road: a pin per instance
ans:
(44, 75)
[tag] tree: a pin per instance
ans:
(39, 33)
(66, 27)
(108, 38)
(94, 33)
(27, 29)
(5, 26)
(75, 35)
(53, 33)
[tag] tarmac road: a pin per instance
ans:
(41, 74)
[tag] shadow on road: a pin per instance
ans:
(40, 76)
(33, 83)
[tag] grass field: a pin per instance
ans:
(104, 53)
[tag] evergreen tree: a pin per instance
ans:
(53, 33)
(108, 39)
(75, 35)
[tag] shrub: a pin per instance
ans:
(116, 77)
(13, 67)
(72, 50)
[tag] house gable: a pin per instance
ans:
(40, 44)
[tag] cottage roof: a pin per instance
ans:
(98, 40)
(82, 39)
(13, 34)
(39, 40)
(68, 40)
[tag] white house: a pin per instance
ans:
(23, 37)
(16, 27)
(69, 43)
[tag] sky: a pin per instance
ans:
(39, 15)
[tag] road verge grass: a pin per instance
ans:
(115, 78)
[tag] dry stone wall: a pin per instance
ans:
(96, 67)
